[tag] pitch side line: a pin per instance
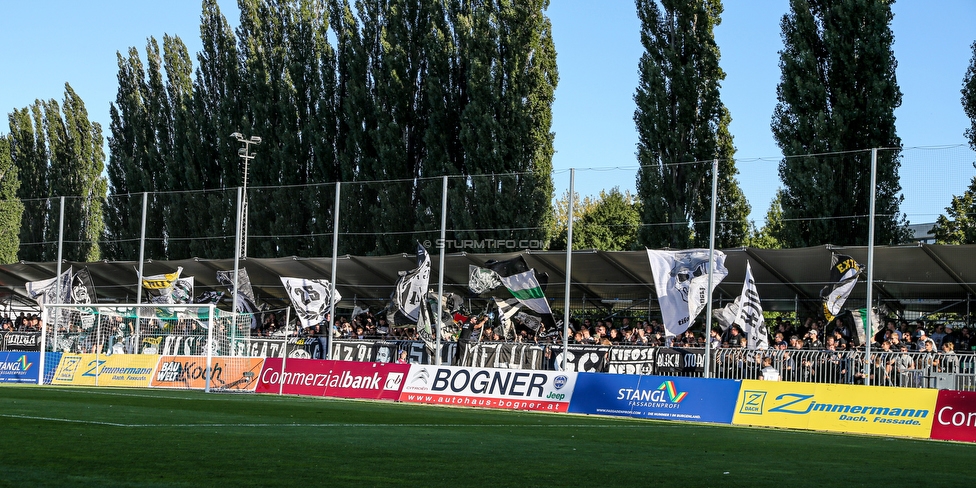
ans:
(347, 425)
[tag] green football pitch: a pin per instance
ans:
(53, 436)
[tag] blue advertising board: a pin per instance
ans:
(19, 367)
(656, 397)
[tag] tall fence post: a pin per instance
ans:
(237, 256)
(711, 261)
(569, 268)
(335, 253)
(868, 335)
(142, 246)
(440, 275)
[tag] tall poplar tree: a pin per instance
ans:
(838, 94)
(11, 208)
(682, 127)
(28, 151)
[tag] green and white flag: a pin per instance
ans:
(526, 289)
(865, 330)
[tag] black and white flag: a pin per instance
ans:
(681, 282)
(411, 288)
(844, 272)
(310, 297)
(246, 302)
(750, 316)
(506, 310)
(82, 288)
(45, 291)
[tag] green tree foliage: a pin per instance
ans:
(958, 226)
(28, 150)
(682, 126)
(765, 238)
(609, 223)
(11, 208)
(837, 94)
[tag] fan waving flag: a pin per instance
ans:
(310, 298)
(844, 272)
(681, 282)
(159, 288)
(411, 287)
(751, 313)
(526, 288)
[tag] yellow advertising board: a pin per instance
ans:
(904, 412)
(98, 370)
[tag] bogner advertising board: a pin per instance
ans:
(19, 367)
(906, 412)
(549, 391)
(191, 372)
(656, 397)
(341, 379)
(954, 418)
(97, 370)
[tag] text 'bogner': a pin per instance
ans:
(495, 383)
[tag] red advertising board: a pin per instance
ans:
(341, 379)
(955, 416)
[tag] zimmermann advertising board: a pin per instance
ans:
(549, 391)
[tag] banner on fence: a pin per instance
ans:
(671, 361)
(906, 412)
(631, 360)
(955, 416)
(20, 341)
(19, 367)
(590, 359)
(236, 373)
(489, 388)
(504, 355)
(341, 379)
(98, 370)
(658, 397)
(370, 351)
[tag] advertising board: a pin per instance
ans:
(549, 391)
(341, 379)
(191, 372)
(906, 412)
(657, 397)
(955, 416)
(19, 367)
(97, 370)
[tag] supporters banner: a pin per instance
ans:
(678, 360)
(955, 416)
(159, 288)
(591, 359)
(340, 379)
(20, 367)
(657, 397)
(98, 370)
(47, 290)
(904, 412)
(191, 372)
(504, 355)
(631, 360)
(261, 348)
(417, 351)
(681, 283)
(549, 391)
(176, 345)
(20, 341)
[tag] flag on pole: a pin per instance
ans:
(183, 290)
(482, 280)
(159, 288)
(82, 288)
(45, 291)
(527, 290)
(310, 298)
(507, 309)
(246, 303)
(865, 330)
(411, 288)
(681, 282)
(844, 272)
(750, 314)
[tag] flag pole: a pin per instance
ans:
(237, 257)
(711, 261)
(569, 268)
(440, 276)
(868, 333)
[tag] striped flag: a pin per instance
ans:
(750, 315)
(506, 309)
(526, 289)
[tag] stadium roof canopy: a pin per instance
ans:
(924, 278)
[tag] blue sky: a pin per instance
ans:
(47, 43)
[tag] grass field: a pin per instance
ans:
(52, 436)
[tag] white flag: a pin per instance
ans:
(310, 297)
(750, 315)
(681, 281)
(411, 288)
(45, 291)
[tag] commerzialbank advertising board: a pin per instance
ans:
(906, 412)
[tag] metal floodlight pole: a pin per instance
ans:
(440, 275)
(711, 262)
(246, 155)
(142, 246)
(335, 256)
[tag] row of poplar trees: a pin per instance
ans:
(387, 96)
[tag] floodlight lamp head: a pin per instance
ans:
(242, 151)
(255, 140)
(237, 135)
